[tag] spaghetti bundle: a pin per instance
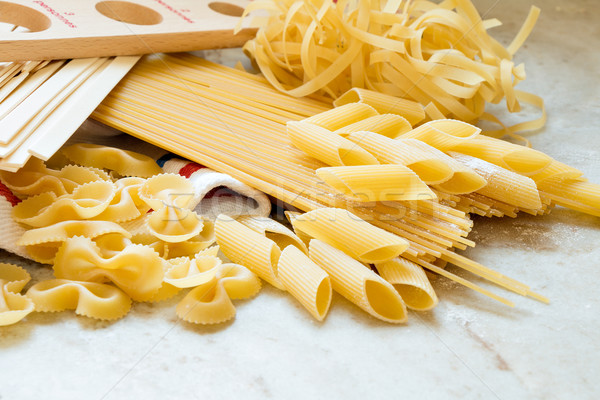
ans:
(439, 55)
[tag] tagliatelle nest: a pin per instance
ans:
(439, 55)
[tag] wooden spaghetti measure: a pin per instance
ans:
(62, 29)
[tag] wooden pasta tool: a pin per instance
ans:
(62, 29)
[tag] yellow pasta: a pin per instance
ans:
(172, 224)
(43, 243)
(345, 231)
(193, 245)
(410, 281)
(167, 189)
(137, 270)
(520, 159)
(210, 303)
(35, 178)
(86, 201)
(358, 283)
(126, 205)
(383, 103)
(280, 234)
(244, 246)
(13, 306)
(429, 164)
(186, 273)
(578, 195)
(503, 184)
(557, 171)
(326, 146)
(344, 115)
(389, 182)
(94, 300)
(388, 125)
(123, 162)
(443, 134)
(306, 281)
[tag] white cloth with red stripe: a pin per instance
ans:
(215, 193)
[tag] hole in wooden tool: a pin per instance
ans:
(23, 17)
(131, 13)
(226, 9)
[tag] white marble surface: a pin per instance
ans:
(469, 347)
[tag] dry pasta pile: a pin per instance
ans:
(90, 221)
(439, 55)
(444, 170)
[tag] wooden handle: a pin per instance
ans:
(61, 29)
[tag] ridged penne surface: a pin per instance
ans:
(443, 134)
(244, 246)
(383, 103)
(326, 146)
(306, 281)
(388, 182)
(514, 157)
(359, 284)
(388, 125)
(426, 161)
(502, 184)
(339, 117)
(410, 281)
(279, 233)
(344, 230)
(94, 300)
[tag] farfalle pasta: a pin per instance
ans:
(167, 190)
(90, 299)
(172, 224)
(210, 303)
(137, 270)
(187, 273)
(86, 201)
(123, 162)
(43, 243)
(126, 205)
(35, 178)
(13, 306)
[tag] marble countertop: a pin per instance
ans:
(469, 347)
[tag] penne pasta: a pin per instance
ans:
(280, 234)
(244, 246)
(388, 125)
(339, 117)
(443, 134)
(389, 182)
(429, 164)
(345, 231)
(306, 281)
(383, 103)
(358, 283)
(502, 184)
(326, 146)
(410, 281)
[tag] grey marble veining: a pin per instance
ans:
(469, 347)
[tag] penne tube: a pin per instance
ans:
(345, 231)
(388, 125)
(280, 234)
(389, 182)
(383, 103)
(358, 283)
(339, 117)
(502, 184)
(244, 246)
(410, 281)
(430, 164)
(443, 134)
(306, 281)
(326, 146)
